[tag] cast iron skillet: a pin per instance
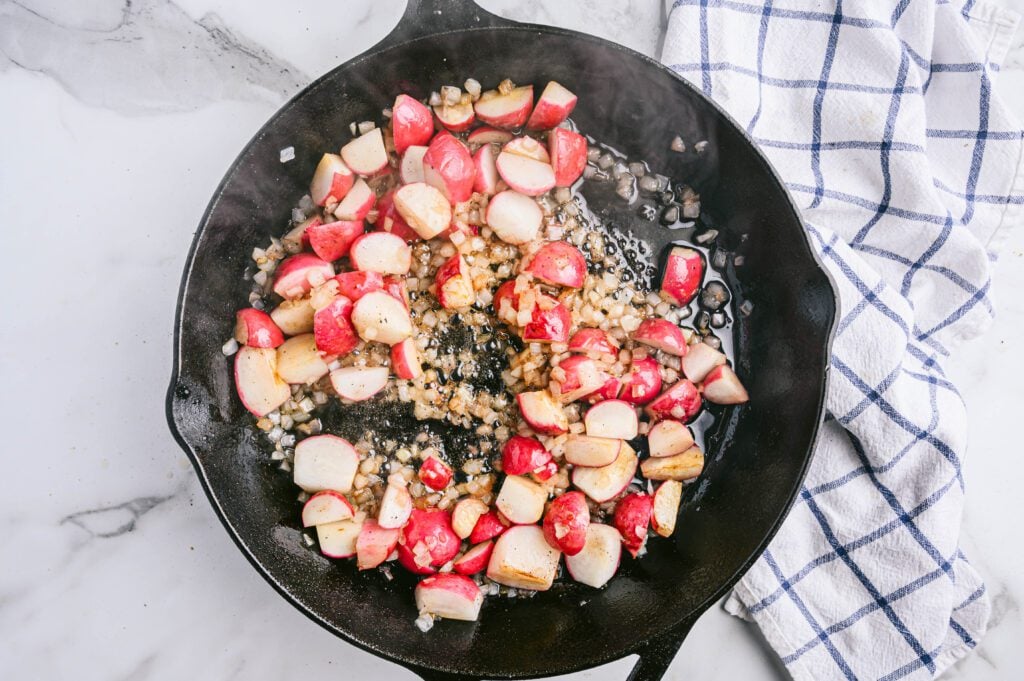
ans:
(756, 457)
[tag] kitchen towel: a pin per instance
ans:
(884, 121)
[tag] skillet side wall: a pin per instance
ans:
(756, 459)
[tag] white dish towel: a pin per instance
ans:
(884, 120)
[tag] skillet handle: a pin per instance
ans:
(426, 17)
(657, 654)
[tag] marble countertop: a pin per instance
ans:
(115, 566)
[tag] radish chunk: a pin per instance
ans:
(528, 147)
(448, 166)
(722, 386)
(411, 123)
(299, 361)
(381, 252)
(632, 517)
(566, 522)
(424, 208)
(550, 323)
(259, 386)
(553, 107)
(505, 110)
(406, 361)
(599, 559)
(411, 168)
(454, 597)
(354, 285)
(681, 402)
(612, 418)
(356, 204)
(683, 467)
(427, 541)
(605, 483)
(366, 154)
(475, 560)
(558, 263)
(700, 360)
(326, 507)
(643, 382)
(666, 507)
(523, 559)
(359, 383)
(514, 217)
(256, 329)
(456, 117)
(293, 316)
(435, 474)
(331, 180)
(542, 412)
(684, 271)
(381, 317)
(454, 284)
(583, 450)
(661, 335)
(525, 175)
(297, 275)
(521, 500)
(488, 135)
(568, 151)
(486, 179)
(332, 328)
(593, 340)
(325, 462)
(489, 526)
(395, 505)
(374, 544)
(333, 240)
(338, 540)
(522, 455)
(466, 515)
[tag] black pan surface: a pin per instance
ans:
(757, 455)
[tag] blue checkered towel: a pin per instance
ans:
(884, 120)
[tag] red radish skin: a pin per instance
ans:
(680, 402)
(358, 384)
(722, 386)
(325, 462)
(357, 203)
(355, 285)
(366, 154)
(609, 391)
(456, 118)
(666, 507)
(374, 544)
(593, 340)
(390, 220)
(333, 330)
(293, 316)
(661, 335)
(607, 482)
(551, 322)
(332, 240)
(642, 383)
(396, 288)
(486, 179)
(599, 560)
(448, 166)
(257, 329)
(296, 275)
(684, 271)
(454, 284)
(505, 111)
(381, 317)
(326, 507)
(299, 362)
(506, 292)
(435, 474)
(487, 527)
(612, 418)
(578, 368)
(338, 540)
(514, 217)
(632, 518)
(545, 472)
(488, 135)
(558, 263)
(381, 252)
(554, 106)
(427, 541)
(475, 560)
(525, 175)
(700, 360)
(542, 412)
(668, 438)
(454, 597)
(568, 151)
(411, 123)
(257, 382)
(521, 455)
(411, 167)
(424, 208)
(331, 180)
(406, 361)
(528, 147)
(566, 522)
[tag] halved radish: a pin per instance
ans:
(338, 540)
(643, 382)
(489, 526)
(259, 386)
(582, 377)
(683, 467)
(405, 360)
(381, 252)
(355, 285)
(297, 275)
(551, 322)
(553, 107)
(525, 175)
(332, 240)
(584, 450)
(395, 505)
(257, 329)
(605, 483)
(424, 208)
(332, 328)
(700, 360)
(488, 135)
(356, 204)
(514, 217)
(523, 559)
(680, 402)
(366, 154)
(427, 541)
(722, 386)
(566, 522)
(632, 518)
(359, 383)
(521, 500)
(612, 418)
(293, 316)
(666, 507)
(374, 544)
(568, 152)
(599, 559)
(325, 462)
(486, 179)
(505, 110)
(326, 507)
(609, 391)
(521, 455)
(454, 284)
(662, 335)
(668, 438)
(593, 340)
(411, 123)
(331, 180)
(684, 271)
(435, 474)
(542, 412)
(296, 239)
(411, 168)
(299, 361)
(475, 560)
(448, 166)
(456, 117)
(558, 263)
(453, 597)
(466, 515)
(528, 147)
(379, 316)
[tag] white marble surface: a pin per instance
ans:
(124, 116)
